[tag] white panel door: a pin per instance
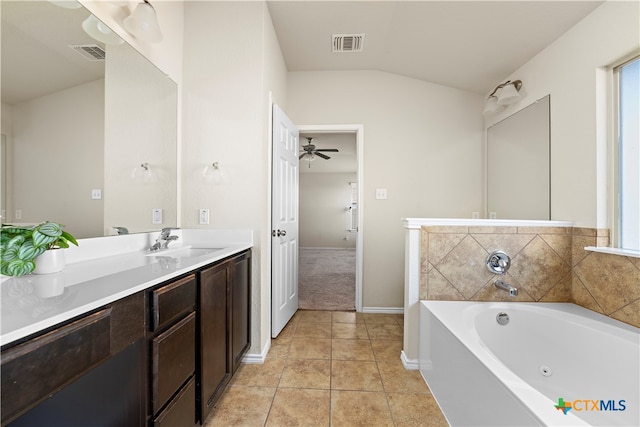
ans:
(284, 222)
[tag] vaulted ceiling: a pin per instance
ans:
(470, 45)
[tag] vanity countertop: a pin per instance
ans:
(105, 270)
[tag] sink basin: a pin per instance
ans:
(183, 252)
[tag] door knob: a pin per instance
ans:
(282, 233)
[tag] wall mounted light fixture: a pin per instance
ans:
(214, 173)
(504, 94)
(99, 31)
(143, 23)
(141, 173)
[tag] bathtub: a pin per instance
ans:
(486, 374)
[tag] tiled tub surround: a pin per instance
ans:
(547, 265)
(445, 260)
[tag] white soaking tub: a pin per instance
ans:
(483, 373)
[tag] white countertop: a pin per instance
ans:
(103, 270)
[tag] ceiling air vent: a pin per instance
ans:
(348, 42)
(92, 52)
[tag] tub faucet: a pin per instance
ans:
(500, 284)
(163, 240)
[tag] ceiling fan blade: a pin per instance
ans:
(324, 156)
(333, 150)
(301, 156)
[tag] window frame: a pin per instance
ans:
(616, 218)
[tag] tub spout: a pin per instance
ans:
(506, 287)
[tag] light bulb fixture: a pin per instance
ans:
(141, 173)
(504, 94)
(99, 31)
(214, 173)
(143, 23)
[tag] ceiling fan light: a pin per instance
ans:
(491, 106)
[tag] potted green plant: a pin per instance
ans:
(23, 248)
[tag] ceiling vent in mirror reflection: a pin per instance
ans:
(91, 52)
(347, 43)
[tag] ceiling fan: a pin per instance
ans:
(310, 151)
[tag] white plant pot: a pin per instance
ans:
(51, 261)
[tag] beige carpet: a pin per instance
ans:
(327, 279)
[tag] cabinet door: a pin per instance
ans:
(240, 308)
(173, 360)
(214, 363)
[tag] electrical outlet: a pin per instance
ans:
(492, 215)
(96, 194)
(475, 215)
(204, 216)
(156, 216)
(18, 214)
(381, 193)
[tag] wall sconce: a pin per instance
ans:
(504, 94)
(99, 31)
(143, 23)
(214, 173)
(141, 173)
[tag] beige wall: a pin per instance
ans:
(567, 70)
(58, 141)
(324, 198)
(422, 142)
(232, 64)
(140, 127)
(547, 265)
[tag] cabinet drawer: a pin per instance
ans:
(39, 367)
(173, 360)
(172, 301)
(181, 412)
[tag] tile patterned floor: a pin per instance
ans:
(330, 369)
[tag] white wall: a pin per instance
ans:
(324, 198)
(568, 70)
(57, 150)
(231, 63)
(422, 142)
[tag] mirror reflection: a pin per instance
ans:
(79, 118)
(518, 165)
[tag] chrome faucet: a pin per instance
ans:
(500, 284)
(163, 240)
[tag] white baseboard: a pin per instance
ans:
(255, 358)
(384, 310)
(409, 364)
(322, 248)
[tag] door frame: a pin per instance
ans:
(358, 129)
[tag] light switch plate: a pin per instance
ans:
(96, 194)
(157, 216)
(204, 216)
(381, 193)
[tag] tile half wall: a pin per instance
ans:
(548, 264)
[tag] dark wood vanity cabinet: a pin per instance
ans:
(160, 357)
(172, 349)
(224, 319)
(103, 345)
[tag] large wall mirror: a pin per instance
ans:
(89, 128)
(518, 164)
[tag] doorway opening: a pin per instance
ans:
(330, 215)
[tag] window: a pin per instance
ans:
(628, 154)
